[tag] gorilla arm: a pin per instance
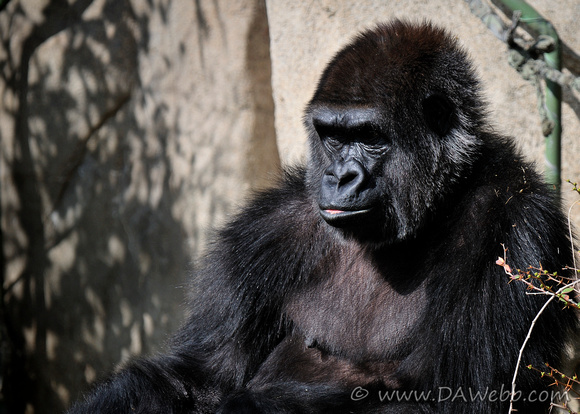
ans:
(507, 205)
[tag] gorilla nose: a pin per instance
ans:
(348, 176)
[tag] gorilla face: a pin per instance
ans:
(391, 131)
(355, 147)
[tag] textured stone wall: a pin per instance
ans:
(129, 128)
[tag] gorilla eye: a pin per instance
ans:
(370, 135)
(333, 141)
(438, 113)
(331, 137)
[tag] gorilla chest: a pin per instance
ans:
(357, 312)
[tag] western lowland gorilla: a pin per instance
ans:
(366, 281)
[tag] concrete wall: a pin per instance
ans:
(129, 128)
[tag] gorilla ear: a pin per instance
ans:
(438, 112)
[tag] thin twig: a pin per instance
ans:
(532, 325)
(522, 352)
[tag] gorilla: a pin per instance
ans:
(365, 281)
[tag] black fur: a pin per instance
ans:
(374, 266)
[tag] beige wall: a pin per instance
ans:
(127, 130)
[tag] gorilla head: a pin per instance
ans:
(392, 130)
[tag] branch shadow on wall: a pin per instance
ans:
(95, 257)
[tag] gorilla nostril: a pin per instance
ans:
(347, 178)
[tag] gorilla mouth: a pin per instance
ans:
(337, 217)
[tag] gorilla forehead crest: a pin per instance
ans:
(393, 58)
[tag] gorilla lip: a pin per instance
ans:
(330, 214)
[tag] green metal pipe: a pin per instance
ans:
(553, 152)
